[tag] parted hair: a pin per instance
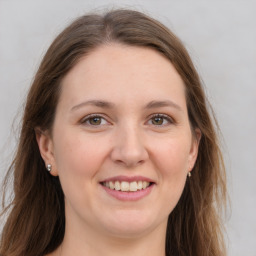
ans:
(35, 224)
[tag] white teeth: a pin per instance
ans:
(117, 185)
(111, 185)
(139, 185)
(133, 186)
(145, 184)
(126, 186)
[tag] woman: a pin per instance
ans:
(118, 153)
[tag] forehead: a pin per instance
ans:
(123, 73)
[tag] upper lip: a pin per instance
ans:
(128, 179)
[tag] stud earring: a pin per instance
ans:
(189, 174)
(49, 167)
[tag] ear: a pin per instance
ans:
(45, 144)
(194, 148)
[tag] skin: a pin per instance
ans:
(124, 140)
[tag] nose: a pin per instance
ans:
(129, 149)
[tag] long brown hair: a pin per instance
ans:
(36, 221)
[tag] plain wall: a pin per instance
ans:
(221, 38)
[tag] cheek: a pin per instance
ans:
(173, 157)
(77, 159)
(172, 163)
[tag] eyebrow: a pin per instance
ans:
(97, 103)
(109, 105)
(166, 103)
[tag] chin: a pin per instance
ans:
(130, 224)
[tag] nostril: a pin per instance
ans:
(129, 152)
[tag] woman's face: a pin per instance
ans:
(121, 141)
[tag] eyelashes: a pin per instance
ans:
(94, 120)
(160, 120)
(98, 120)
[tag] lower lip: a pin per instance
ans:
(128, 196)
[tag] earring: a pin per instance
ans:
(49, 167)
(189, 174)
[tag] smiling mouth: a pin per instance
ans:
(126, 186)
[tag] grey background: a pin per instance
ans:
(221, 38)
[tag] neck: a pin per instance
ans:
(91, 242)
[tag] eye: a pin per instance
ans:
(94, 120)
(160, 120)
